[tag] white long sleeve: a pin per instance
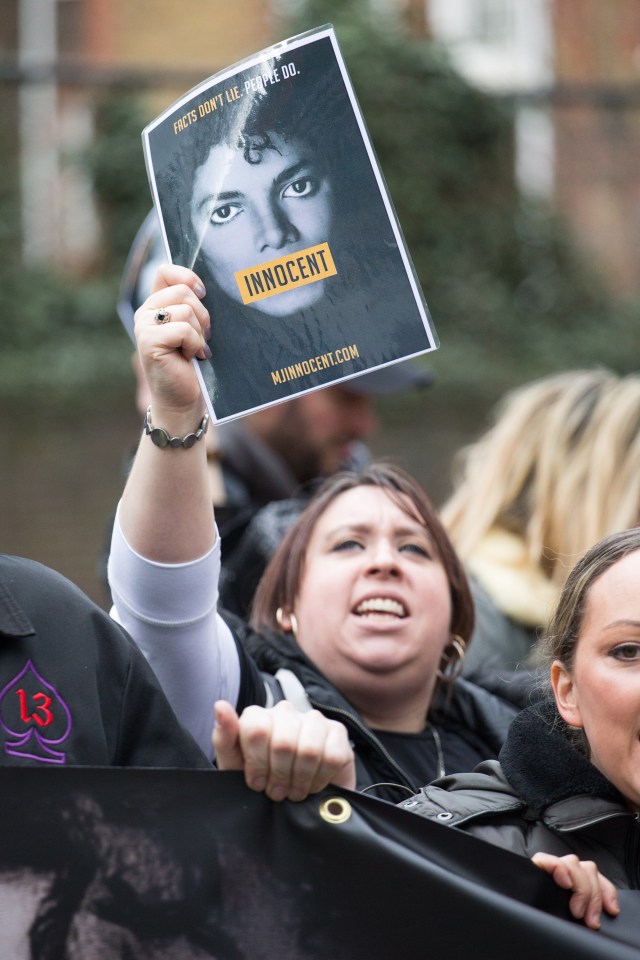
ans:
(170, 612)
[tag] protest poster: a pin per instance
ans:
(191, 865)
(266, 184)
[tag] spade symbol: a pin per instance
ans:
(34, 716)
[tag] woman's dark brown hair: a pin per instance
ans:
(281, 580)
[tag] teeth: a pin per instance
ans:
(381, 605)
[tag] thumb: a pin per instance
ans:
(226, 737)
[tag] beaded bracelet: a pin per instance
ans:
(162, 439)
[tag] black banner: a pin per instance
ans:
(143, 864)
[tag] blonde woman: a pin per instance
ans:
(556, 472)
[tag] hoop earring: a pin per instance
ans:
(452, 659)
(281, 616)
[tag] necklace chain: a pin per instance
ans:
(440, 768)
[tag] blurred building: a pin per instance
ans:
(573, 72)
(55, 55)
(571, 68)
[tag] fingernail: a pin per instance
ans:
(207, 332)
(258, 783)
(207, 352)
(277, 794)
(200, 290)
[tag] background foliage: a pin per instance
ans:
(68, 338)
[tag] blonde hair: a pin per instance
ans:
(560, 468)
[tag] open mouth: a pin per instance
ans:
(381, 606)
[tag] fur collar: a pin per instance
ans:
(543, 767)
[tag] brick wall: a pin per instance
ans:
(201, 35)
(598, 132)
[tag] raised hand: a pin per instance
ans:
(171, 328)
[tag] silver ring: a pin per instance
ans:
(162, 316)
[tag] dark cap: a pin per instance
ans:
(394, 378)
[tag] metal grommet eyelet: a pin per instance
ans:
(408, 804)
(335, 810)
(445, 815)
